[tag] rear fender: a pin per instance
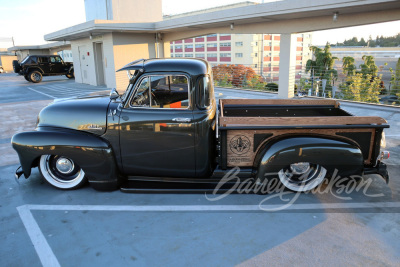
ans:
(333, 155)
(92, 153)
(28, 70)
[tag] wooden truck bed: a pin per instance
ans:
(253, 122)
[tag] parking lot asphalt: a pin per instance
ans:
(40, 225)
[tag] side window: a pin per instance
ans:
(141, 97)
(44, 60)
(52, 60)
(205, 91)
(163, 91)
(31, 60)
(58, 59)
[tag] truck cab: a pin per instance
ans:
(167, 119)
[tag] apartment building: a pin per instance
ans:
(258, 51)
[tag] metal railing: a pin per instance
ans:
(379, 86)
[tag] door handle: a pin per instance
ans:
(182, 119)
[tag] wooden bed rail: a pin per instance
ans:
(300, 121)
(284, 102)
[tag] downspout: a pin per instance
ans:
(157, 45)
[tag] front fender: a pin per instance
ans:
(92, 153)
(331, 154)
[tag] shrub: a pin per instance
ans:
(272, 87)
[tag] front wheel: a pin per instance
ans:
(70, 75)
(61, 172)
(27, 78)
(302, 176)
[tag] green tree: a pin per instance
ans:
(322, 63)
(395, 81)
(362, 42)
(349, 68)
(369, 67)
(360, 88)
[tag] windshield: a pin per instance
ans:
(25, 59)
(132, 79)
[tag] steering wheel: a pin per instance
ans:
(154, 100)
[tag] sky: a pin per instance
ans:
(28, 21)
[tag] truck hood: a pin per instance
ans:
(84, 114)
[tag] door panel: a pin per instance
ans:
(153, 144)
(83, 64)
(157, 133)
(44, 64)
(56, 65)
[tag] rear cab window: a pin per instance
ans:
(205, 91)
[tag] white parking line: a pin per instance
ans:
(48, 258)
(215, 207)
(44, 251)
(40, 92)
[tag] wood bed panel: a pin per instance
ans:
(244, 156)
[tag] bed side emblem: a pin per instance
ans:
(240, 144)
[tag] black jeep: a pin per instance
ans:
(34, 67)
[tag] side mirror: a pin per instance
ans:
(114, 95)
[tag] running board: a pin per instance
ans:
(135, 186)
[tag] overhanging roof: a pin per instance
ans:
(40, 47)
(273, 12)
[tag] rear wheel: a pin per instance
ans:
(61, 172)
(35, 76)
(302, 176)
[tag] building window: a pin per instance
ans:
(239, 55)
(211, 55)
(225, 55)
(200, 55)
(239, 43)
(212, 45)
(199, 45)
(212, 35)
(224, 34)
(225, 44)
(255, 65)
(188, 55)
(178, 55)
(188, 46)
(178, 46)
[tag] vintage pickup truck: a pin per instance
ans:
(168, 127)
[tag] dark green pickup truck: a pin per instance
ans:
(168, 127)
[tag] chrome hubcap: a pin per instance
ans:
(64, 165)
(300, 168)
